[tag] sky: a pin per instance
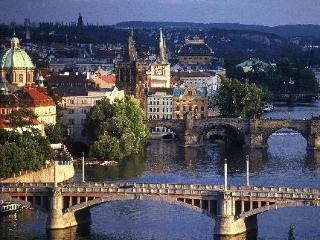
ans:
(259, 12)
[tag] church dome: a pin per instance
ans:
(16, 57)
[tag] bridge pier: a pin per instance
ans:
(58, 219)
(226, 222)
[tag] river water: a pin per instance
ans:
(284, 163)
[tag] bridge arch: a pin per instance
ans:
(285, 130)
(194, 204)
(275, 206)
(226, 132)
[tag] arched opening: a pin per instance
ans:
(286, 150)
(152, 219)
(224, 135)
(162, 132)
(77, 148)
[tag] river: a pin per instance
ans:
(285, 163)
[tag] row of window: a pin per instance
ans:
(184, 108)
(160, 103)
(72, 111)
(158, 110)
(153, 117)
(71, 101)
(161, 129)
(71, 121)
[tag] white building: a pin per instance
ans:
(76, 109)
(159, 105)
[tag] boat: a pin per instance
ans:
(108, 163)
(7, 207)
(268, 108)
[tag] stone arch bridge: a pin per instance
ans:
(233, 209)
(252, 133)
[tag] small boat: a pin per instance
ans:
(108, 163)
(268, 108)
(7, 207)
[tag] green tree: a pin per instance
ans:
(21, 118)
(236, 99)
(22, 151)
(116, 130)
(55, 133)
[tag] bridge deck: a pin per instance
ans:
(165, 189)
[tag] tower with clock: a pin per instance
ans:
(160, 69)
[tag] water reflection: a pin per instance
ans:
(125, 169)
(245, 236)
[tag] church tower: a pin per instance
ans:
(161, 69)
(131, 47)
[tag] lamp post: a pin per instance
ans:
(225, 175)
(247, 172)
(83, 167)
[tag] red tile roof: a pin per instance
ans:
(31, 97)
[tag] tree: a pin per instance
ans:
(55, 133)
(22, 118)
(22, 151)
(236, 99)
(116, 130)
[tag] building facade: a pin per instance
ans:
(76, 108)
(195, 51)
(188, 99)
(159, 104)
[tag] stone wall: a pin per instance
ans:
(65, 171)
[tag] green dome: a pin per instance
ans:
(16, 57)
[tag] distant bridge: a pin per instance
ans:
(293, 97)
(252, 133)
(234, 209)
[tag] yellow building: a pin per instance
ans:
(189, 99)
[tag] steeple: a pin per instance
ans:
(162, 48)
(131, 47)
(80, 21)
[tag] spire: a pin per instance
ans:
(162, 48)
(131, 47)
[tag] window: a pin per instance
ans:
(21, 78)
(71, 111)
(202, 108)
(190, 108)
(178, 108)
(71, 121)
(150, 109)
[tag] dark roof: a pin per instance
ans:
(191, 49)
(168, 91)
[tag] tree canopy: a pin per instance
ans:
(56, 133)
(116, 130)
(236, 99)
(22, 151)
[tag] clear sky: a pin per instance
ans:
(266, 12)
